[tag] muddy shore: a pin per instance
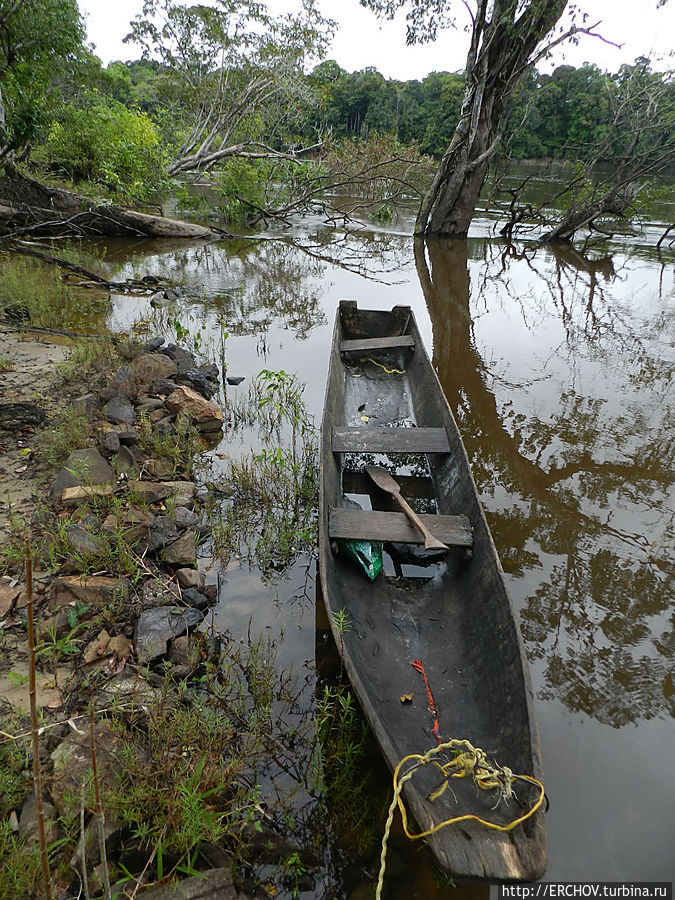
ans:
(113, 529)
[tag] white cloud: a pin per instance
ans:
(363, 41)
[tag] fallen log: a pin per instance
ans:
(28, 207)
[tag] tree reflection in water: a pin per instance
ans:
(570, 442)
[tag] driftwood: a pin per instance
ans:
(29, 208)
(18, 415)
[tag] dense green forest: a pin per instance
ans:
(556, 116)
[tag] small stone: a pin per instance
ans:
(147, 404)
(203, 414)
(80, 539)
(156, 415)
(153, 344)
(111, 441)
(28, 823)
(212, 883)
(150, 491)
(161, 532)
(194, 598)
(155, 592)
(110, 523)
(196, 380)
(162, 387)
(127, 459)
(182, 491)
(73, 496)
(154, 491)
(164, 427)
(210, 591)
(8, 598)
(129, 689)
(119, 410)
(83, 467)
(97, 648)
(160, 468)
(211, 372)
(121, 646)
(86, 404)
(179, 652)
(182, 552)
(151, 366)
(183, 358)
(53, 626)
(96, 590)
(234, 380)
(72, 764)
(190, 578)
(185, 518)
(156, 627)
(122, 383)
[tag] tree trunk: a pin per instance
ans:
(450, 204)
(28, 207)
(502, 49)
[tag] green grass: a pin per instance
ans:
(70, 431)
(270, 515)
(34, 293)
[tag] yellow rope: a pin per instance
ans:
(468, 761)
(388, 370)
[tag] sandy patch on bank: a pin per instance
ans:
(27, 373)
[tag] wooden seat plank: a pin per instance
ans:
(375, 525)
(383, 439)
(372, 345)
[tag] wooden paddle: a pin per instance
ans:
(384, 480)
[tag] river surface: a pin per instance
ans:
(558, 366)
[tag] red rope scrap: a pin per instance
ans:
(417, 664)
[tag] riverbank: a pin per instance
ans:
(118, 594)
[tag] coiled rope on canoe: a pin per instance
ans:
(467, 761)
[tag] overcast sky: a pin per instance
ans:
(362, 41)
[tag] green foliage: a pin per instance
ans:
(109, 144)
(35, 293)
(14, 788)
(241, 183)
(70, 432)
(20, 871)
(343, 735)
(236, 72)
(378, 168)
(362, 103)
(39, 42)
(271, 514)
(562, 115)
(192, 787)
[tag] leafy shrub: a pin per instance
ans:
(107, 143)
(378, 168)
(240, 183)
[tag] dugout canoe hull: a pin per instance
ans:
(384, 404)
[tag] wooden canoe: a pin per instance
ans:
(384, 405)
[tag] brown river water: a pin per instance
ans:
(558, 366)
